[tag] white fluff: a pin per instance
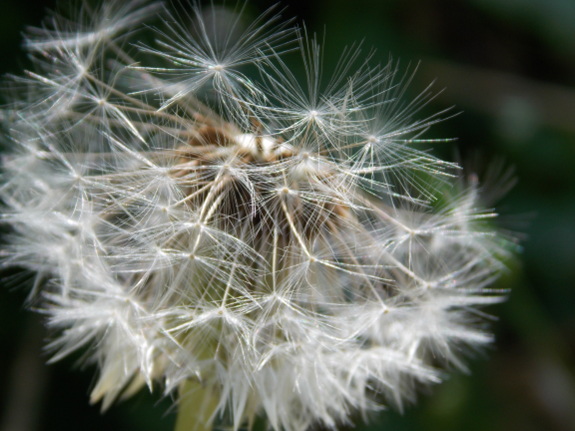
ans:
(280, 241)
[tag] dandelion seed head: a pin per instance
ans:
(283, 243)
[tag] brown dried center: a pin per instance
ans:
(258, 183)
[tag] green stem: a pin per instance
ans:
(196, 408)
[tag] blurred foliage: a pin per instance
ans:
(509, 67)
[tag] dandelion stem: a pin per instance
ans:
(196, 407)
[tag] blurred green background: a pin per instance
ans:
(509, 67)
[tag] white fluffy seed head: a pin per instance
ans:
(281, 242)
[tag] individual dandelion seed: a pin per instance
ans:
(198, 217)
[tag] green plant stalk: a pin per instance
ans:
(196, 407)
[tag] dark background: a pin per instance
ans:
(509, 67)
